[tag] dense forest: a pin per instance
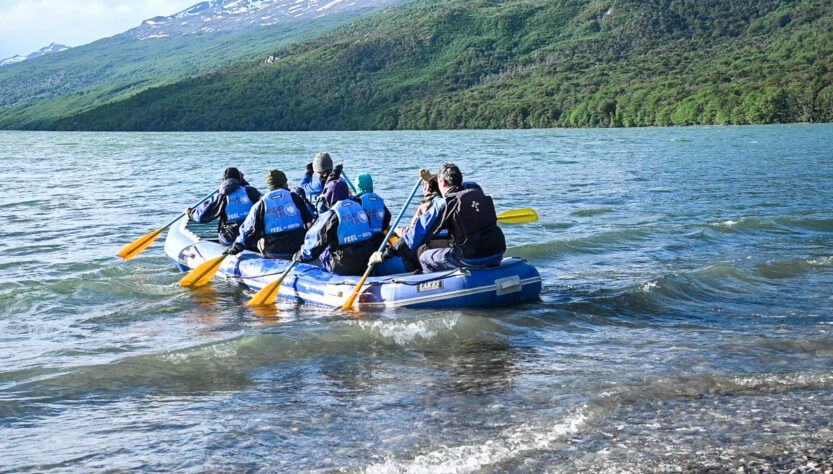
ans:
(515, 64)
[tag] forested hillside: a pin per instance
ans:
(36, 92)
(522, 63)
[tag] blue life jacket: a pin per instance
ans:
(374, 206)
(280, 214)
(238, 205)
(353, 224)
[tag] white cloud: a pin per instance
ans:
(28, 25)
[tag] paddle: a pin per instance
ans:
(352, 298)
(268, 293)
(203, 273)
(144, 241)
(349, 183)
(518, 216)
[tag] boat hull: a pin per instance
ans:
(513, 282)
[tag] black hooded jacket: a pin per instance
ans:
(215, 208)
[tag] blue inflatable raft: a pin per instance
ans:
(513, 282)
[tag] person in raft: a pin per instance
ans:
(276, 225)
(374, 207)
(470, 218)
(341, 237)
(430, 193)
(231, 204)
(322, 166)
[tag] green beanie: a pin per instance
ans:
(275, 179)
(365, 183)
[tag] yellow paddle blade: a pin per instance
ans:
(203, 273)
(269, 293)
(348, 305)
(518, 216)
(139, 244)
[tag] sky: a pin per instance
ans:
(28, 25)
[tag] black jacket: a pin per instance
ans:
(215, 208)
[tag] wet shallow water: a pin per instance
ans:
(686, 320)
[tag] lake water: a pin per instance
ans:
(685, 322)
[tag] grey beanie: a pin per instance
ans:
(322, 162)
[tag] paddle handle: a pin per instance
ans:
(195, 205)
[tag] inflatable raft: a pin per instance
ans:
(513, 282)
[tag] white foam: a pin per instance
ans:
(515, 442)
(647, 287)
(407, 332)
(723, 224)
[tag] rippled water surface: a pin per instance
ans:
(686, 320)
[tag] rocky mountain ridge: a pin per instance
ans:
(224, 15)
(52, 48)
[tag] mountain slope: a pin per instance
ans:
(475, 64)
(44, 89)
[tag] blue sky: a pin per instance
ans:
(28, 25)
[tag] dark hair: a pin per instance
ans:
(232, 173)
(450, 174)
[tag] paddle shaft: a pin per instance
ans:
(349, 303)
(349, 183)
(195, 205)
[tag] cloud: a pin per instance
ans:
(28, 25)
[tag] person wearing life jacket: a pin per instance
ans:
(430, 194)
(231, 204)
(341, 238)
(277, 223)
(374, 207)
(469, 216)
(322, 167)
(335, 189)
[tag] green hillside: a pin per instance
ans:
(522, 63)
(34, 93)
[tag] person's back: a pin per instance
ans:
(470, 219)
(277, 223)
(230, 205)
(472, 224)
(374, 206)
(341, 238)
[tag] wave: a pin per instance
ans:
(523, 440)
(819, 225)
(682, 293)
(225, 364)
(592, 212)
(597, 243)
(741, 225)
(783, 223)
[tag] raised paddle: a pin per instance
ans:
(144, 241)
(349, 183)
(518, 216)
(203, 273)
(268, 293)
(352, 298)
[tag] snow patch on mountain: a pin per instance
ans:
(225, 15)
(52, 48)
